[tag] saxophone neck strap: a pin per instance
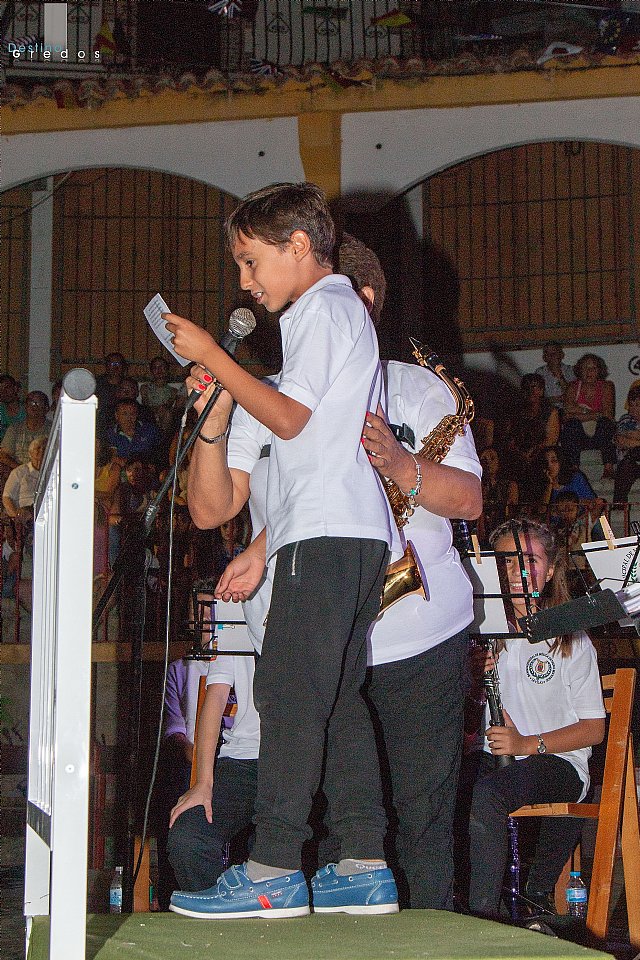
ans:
(403, 433)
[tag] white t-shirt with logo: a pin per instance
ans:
(544, 691)
(321, 483)
(416, 396)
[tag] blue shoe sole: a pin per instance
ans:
(265, 914)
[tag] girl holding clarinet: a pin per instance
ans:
(551, 699)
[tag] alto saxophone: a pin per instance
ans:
(438, 443)
(403, 576)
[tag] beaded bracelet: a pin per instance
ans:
(414, 492)
(217, 439)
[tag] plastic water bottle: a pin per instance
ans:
(576, 896)
(115, 892)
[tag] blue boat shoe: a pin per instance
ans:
(359, 894)
(235, 896)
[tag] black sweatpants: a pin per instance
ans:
(307, 690)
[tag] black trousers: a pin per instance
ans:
(418, 704)
(307, 690)
(536, 779)
(195, 847)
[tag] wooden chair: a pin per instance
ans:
(616, 813)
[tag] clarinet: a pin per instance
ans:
(491, 684)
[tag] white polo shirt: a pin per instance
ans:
(242, 740)
(321, 483)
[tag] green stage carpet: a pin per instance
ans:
(410, 935)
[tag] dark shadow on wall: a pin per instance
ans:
(423, 296)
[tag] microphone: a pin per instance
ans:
(242, 322)
(590, 610)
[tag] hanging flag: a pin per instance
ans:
(226, 8)
(264, 68)
(104, 42)
(392, 19)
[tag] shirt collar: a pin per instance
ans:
(335, 278)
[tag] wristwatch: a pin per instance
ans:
(542, 747)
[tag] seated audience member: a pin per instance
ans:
(129, 503)
(220, 805)
(14, 448)
(129, 390)
(556, 375)
(176, 756)
(16, 575)
(11, 406)
(535, 425)
(589, 408)
(553, 474)
(627, 441)
(130, 436)
(499, 494)
(20, 489)
(159, 396)
(554, 714)
(107, 384)
(109, 472)
(570, 524)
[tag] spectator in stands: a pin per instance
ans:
(499, 493)
(107, 385)
(11, 407)
(535, 426)
(556, 474)
(130, 436)
(627, 441)
(590, 404)
(130, 501)
(129, 390)
(556, 375)
(14, 448)
(109, 468)
(569, 523)
(20, 489)
(160, 396)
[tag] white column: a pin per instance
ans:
(40, 289)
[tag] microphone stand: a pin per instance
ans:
(130, 560)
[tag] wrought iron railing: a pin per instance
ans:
(265, 36)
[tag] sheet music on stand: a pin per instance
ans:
(616, 565)
(489, 616)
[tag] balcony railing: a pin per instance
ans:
(125, 37)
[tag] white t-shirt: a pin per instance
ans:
(417, 397)
(411, 626)
(242, 740)
(542, 691)
(320, 483)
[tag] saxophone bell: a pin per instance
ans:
(403, 578)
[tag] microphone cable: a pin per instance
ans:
(167, 635)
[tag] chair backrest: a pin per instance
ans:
(619, 690)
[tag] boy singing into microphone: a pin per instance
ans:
(330, 526)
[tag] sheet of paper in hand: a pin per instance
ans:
(153, 312)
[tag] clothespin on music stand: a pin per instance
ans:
(475, 543)
(608, 532)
